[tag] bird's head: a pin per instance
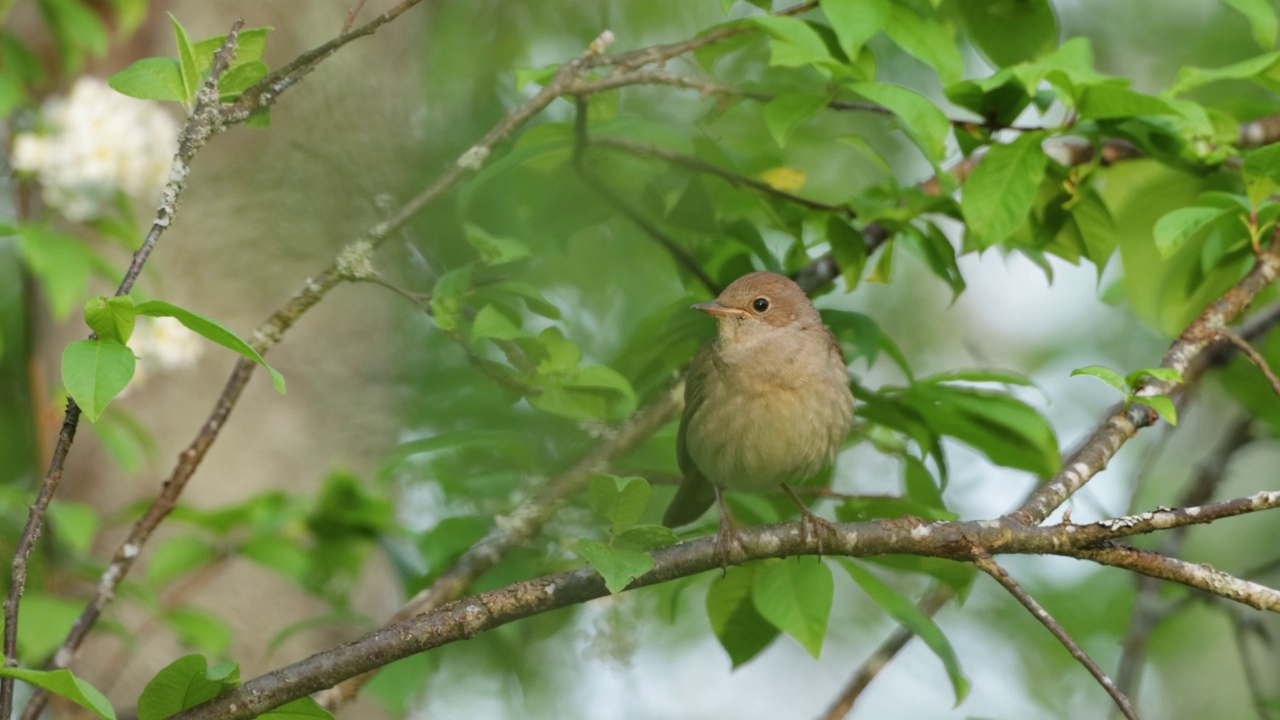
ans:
(758, 304)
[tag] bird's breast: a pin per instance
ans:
(768, 420)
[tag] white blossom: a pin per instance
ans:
(94, 143)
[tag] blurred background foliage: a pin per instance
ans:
(404, 435)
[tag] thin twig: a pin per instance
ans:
(200, 126)
(932, 602)
(683, 258)
(1254, 356)
(352, 15)
(989, 566)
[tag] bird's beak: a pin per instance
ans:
(716, 310)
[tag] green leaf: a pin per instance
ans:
(618, 567)
(1005, 429)
(649, 537)
(999, 193)
(1109, 377)
(794, 43)
(186, 61)
(937, 252)
(64, 684)
(1108, 101)
(1261, 170)
(446, 297)
(177, 556)
(783, 114)
(300, 709)
(533, 299)
(1163, 374)
(251, 43)
(156, 78)
(95, 371)
(620, 500)
(927, 40)
(199, 629)
(909, 616)
(855, 21)
(211, 330)
(795, 595)
(237, 79)
(921, 486)
(1261, 15)
(493, 323)
(445, 543)
(1163, 406)
(60, 262)
(44, 621)
(1261, 68)
(740, 628)
(495, 250)
(1174, 229)
(926, 124)
(1010, 31)
(537, 76)
(995, 375)
(849, 250)
(183, 684)
(74, 525)
(590, 391)
(111, 318)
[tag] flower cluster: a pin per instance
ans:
(97, 142)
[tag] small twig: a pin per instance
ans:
(683, 257)
(939, 596)
(1253, 355)
(1249, 669)
(700, 165)
(203, 123)
(984, 563)
(351, 16)
(1148, 610)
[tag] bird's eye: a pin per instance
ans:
(760, 304)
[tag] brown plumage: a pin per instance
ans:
(767, 402)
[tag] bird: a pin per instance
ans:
(767, 403)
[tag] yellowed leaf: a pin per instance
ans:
(784, 178)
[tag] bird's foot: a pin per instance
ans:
(727, 536)
(811, 525)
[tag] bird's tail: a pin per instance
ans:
(692, 499)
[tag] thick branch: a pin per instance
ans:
(464, 619)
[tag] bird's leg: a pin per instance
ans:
(808, 521)
(726, 534)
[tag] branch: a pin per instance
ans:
(1253, 355)
(989, 566)
(463, 619)
(514, 530)
(203, 123)
(265, 337)
(1183, 355)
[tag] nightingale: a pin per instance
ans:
(767, 402)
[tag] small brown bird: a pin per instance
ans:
(767, 403)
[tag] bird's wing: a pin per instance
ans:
(695, 494)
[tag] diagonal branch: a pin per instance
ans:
(989, 566)
(1183, 355)
(200, 126)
